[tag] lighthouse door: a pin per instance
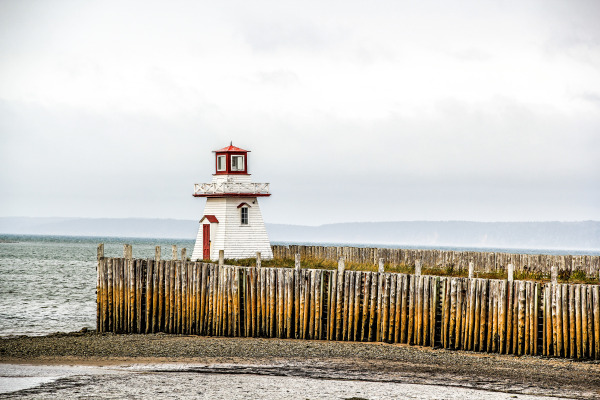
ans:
(206, 242)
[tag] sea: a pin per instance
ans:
(48, 283)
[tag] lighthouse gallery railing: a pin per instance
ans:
(231, 187)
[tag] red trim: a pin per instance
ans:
(230, 148)
(228, 155)
(231, 173)
(217, 164)
(233, 195)
(210, 218)
(244, 204)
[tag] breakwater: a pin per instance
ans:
(457, 260)
(487, 315)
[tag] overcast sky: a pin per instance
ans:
(353, 111)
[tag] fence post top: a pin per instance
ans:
(554, 274)
(418, 267)
(341, 265)
(471, 269)
(297, 265)
(127, 251)
(511, 273)
(258, 260)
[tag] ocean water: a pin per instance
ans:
(48, 283)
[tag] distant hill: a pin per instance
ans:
(122, 227)
(583, 235)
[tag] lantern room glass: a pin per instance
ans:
(237, 163)
(220, 163)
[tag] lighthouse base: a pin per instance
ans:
(232, 224)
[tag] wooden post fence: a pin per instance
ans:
(439, 259)
(473, 314)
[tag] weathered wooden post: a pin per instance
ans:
(339, 304)
(184, 254)
(221, 258)
(100, 289)
(471, 269)
(418, 267)
(381, 265)
(127, 251)
(297, 262)
(157, 253)
(258, 260)
(511, 272)
(127, 291)
(174, 252)
(554, 274)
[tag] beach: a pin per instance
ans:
(48, 285)
(139, 365)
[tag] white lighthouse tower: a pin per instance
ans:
(232, 220)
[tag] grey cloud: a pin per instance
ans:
(280, 77)
(590, 97)
(472, 54)
(575, 32)
(359, 128)
(270, 36)
(368, 53)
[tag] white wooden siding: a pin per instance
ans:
(197, 253)
(238, 241)
(217, 208)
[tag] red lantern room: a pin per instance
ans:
(231, 160)
(231, 177)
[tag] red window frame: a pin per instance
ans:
(228, 170)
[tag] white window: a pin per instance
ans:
(237, 163)
(244, 215)
(220, 163)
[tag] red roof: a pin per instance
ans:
(230, 148)
(210, 218)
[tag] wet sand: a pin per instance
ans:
(220, 382)
(140, 365)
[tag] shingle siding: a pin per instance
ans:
(238, 241)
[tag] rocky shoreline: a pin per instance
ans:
(376, 362)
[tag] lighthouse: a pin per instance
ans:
(232, 220)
